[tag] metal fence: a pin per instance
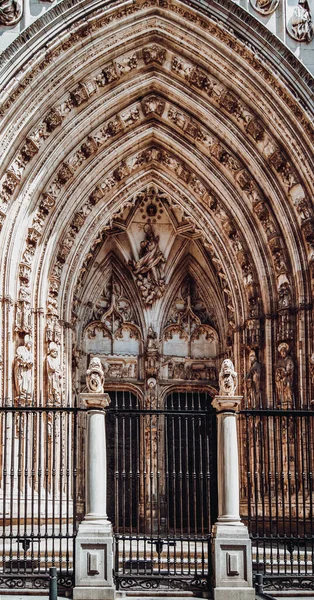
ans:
(276, 453)
(37, 494)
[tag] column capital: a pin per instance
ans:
(94, 401)
(227, 403)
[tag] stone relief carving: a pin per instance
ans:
(300, 26)
(10, 12)
(264, 7)
(119, 367)
(253, 381)
(284, 377)
(95, 378)
(23, 370)
(54, 373)
(191, 371)
(228, 378)
(53, 327)
(148, 270)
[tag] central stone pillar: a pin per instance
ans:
(232, 553)
(94, 542)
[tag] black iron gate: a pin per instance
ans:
(163, 490)
(277, 467)
(37, 494)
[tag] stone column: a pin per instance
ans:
(94, 542)
(232, 553)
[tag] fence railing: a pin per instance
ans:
(277, 460)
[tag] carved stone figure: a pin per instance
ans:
(264, 7)
(95, 377)
(10, 12)
(300, 26)
(253, 381)
(23, 321)
(149, 268)
(151, 393)
(23, 365)
(228, 378)
(284, 377)
(54, 373)
(284, 293)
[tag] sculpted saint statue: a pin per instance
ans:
(301, 27)
(23, 364)
(284, 377)
(149, 268)
(54, 373)
(253, 381)
(228, 378)
(95, 377)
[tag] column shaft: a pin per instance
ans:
(96, 471)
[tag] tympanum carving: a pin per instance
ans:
(148, 270)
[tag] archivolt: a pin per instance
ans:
(134, 94)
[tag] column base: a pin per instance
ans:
(94, 561)
(232, 562)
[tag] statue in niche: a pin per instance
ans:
(264, 7)
(284, 377)
(23, 310)
(284, 292)
(149, 268)
(300, 26)
(95, 378)
(152, 362)
(23, 365)
(253, 381)
(151, 393)
(54, 373)
(228, 378)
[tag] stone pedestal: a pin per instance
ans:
(94, 542)
(232, 553)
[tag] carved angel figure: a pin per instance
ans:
(95, 377)
(264, 7)
(23, 364)
(228, 378)
(284, 377)
(10, 12)
(300, 26)
(54, 373)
